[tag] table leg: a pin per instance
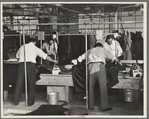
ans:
(67, 93)
(136, 94)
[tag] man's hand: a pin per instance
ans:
(118, 61)
(74, 61)
(55, 61)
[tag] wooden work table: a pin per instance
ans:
(63, 83)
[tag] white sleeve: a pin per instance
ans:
(42, 54)
(119, 49)
(18, 53)
(56, 46)
(81, 58)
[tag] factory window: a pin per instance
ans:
(29, 28)
(110, 17)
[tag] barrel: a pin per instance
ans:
(53, 98)
(128, 93)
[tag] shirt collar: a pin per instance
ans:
(31, 43)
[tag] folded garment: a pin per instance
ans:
(49, 110)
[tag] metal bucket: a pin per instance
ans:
(128, 93)
(53, 98)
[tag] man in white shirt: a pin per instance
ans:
(113, 46)
(31, 52)
(50, 47)
(96, 71)
(112, 69)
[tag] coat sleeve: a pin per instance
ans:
(82, 57)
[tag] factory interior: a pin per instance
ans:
(62, 85)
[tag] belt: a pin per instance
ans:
(96, 62)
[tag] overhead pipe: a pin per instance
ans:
(124, 22)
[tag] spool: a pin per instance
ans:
(128, 93)
(53, 98)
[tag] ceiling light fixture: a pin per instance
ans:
(99, 11)
(87, 8)
(58, 5)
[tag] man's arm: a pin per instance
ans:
(18, 53)
(51, 60)
(109, 55)
(79, 59)
(45, 56)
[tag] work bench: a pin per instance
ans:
(58, 83)
(63, 83)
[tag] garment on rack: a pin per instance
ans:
(128, 42)
(63, 45)
(92, 41)
(63, 49)
(137, 45)
(77, 44)
(128, 47)
(121, 41)
(70, 47)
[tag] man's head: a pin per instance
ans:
(109, 39)
(34, 40)
(50, 41)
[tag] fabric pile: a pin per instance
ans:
(49, 110)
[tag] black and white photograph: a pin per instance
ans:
(73, 59)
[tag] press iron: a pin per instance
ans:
(56, 69)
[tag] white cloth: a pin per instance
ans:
(114, 48)
(31, 52)
(99, 37)
(97, 54)
(99, 34)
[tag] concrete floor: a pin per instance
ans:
(77, 106)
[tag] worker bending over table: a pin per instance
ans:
(112, 68)
(96, 72)
(31, 52)
(50, 47)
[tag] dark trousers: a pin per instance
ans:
(31, 78)
(97, 72)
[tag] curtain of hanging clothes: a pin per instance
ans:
(70, 47)
(132, 45)
(137, 45)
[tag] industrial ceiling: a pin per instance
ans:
(64, 11)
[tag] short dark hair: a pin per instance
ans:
(32, 39)
(98, 45)
(108, 37)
